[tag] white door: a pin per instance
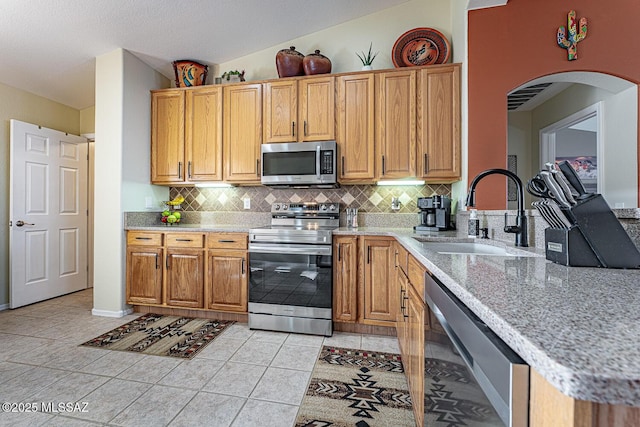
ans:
(48, 207)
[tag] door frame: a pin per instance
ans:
(548, 137)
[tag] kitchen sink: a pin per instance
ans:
(473, 248)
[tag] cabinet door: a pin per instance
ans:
(316, 103)
(415, 330)
(280, 112)
(401, 319)
(242, 119)
(396, 121)
(185, 277)
(167, 136)
(227, 281)
(439, 123)
(380, 298)
(354, 127)
(345, 279)
(144, 275)
(203, 134)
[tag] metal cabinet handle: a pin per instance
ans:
(368, 254)
(339, 252)
(426, 164)
(20, 223)
(166, 262)
(157, 264)
(189, 169)
(382, 165)
(143, 238)
(395, 260)
(226, 241)
(243, 261)
(179, 169)
(342, 168)
(305, 128)
(258, 167)
(293, 128)
(402, 291)
(184, 240)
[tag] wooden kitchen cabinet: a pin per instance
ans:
(379, 290)
(299, 110)
(345, 279)
(185, 270)
(242, 135)
(355, 128)
(228, 263)
(186, 135)
(438, 123)
(144, 268)
(395, 138)
(415, 309)
(167, 136)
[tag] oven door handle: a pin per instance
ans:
(289, 249)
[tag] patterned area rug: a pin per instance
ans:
(160, 335)
(356, 388)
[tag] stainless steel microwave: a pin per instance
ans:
(299, 164)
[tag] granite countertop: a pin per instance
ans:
(578, 327)
(193, 227)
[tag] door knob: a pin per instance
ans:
(20, 223)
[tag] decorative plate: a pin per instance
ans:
(420, 46)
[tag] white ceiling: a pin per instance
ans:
(48, 47)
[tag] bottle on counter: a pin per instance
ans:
(474, 224)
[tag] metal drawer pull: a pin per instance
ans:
(226, 241)
(143, 238)
(184, 240)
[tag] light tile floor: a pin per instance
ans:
(243, 378)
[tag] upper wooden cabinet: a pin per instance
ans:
(355, 127)
(186, 135)
(242, 134)
(438, 125)
(396, 124)
(167, 136)
(299, 110)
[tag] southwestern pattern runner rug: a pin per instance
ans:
(160, 335)
(356, 388)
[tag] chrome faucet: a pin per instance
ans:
(520, 229)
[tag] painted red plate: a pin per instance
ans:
(420, 46)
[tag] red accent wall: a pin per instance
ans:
(513, 44)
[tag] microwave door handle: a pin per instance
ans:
(318, 163)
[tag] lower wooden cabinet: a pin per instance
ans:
(188, 270)
(380, 300)
(414, 360)
(144, 275)
(185, 277)
(345, 278)
(227, 280)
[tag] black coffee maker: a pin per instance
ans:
(435, 213)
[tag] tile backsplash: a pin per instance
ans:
(367, 198)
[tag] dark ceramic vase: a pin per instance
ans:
(289, 62)
(316, 63)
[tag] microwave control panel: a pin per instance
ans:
(326, 162)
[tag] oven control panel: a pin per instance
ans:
(306, 208)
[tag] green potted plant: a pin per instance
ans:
(367, 59)
(233, 76)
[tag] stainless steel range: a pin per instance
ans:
(291, 279)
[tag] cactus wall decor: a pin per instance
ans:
(571, 42)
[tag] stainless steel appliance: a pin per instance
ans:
(496, 378)
(299, 164)
(435, 213)
(291, 269)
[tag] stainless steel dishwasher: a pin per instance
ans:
(471, 376)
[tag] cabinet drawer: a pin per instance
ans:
(402, 257)
(144, 238)
(227, 241)
(185, 240)
(416, 274)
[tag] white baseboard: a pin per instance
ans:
(4, 307)
(109, 313)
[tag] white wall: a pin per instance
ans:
(122, 134)
(341, 42)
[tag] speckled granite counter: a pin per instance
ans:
(193, 227)
(578, 327)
